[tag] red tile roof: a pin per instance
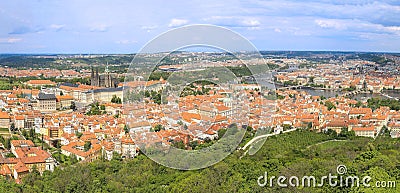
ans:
(41, 82)
(20, 167)
(4, 115)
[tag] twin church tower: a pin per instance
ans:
(102, 80)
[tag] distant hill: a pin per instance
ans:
(60, 61)
(65, 61)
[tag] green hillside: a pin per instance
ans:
(299, 153)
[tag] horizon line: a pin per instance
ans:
(66, 53)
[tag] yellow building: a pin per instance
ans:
(4, 120)
(64, 102)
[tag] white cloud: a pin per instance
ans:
(331, 23)
(126, 42)
(177, 22)
(99, 28)
(57, 27)
(235, 21)
(357, 26)
(379, 12)
(149, 28)
(395, 29)
(251, 22)
(10, 40)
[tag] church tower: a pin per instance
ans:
(108, 79)
(97, 77)
(102, 80)
(94, 80)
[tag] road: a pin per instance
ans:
(264, 136)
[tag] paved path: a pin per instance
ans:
(264, 136)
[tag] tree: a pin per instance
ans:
(61, 93)
(147, 94)
(280, 97)
(87, 146)
(12, 127)
(32, 177)
(116, 99)
(221, 133)
(158, 128)
(286, 127)
(292, 154)
(73, 106)
(2, 139)
(311, 79)
(58, 144)
(7, 143)
(95, 109)
(249, 128)
(330, 105)
(24, 133)
(384, 132)
(126, 128)
(32, 133)
(178, 144)
(346, 134)
(116, 156)
(10, 155)
(79, 134)
(73, 159)
(358, 104)
(309, 125)
(193, 144)
(331, 132)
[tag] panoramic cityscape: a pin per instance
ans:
(313, 101)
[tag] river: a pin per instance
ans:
(329, 93)
(360, 96)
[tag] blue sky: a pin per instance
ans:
(124, 26)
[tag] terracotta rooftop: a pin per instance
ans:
(41, 82)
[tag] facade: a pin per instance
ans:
(19, 121)
(64, 102)
(4, 120)
(46, 102)
(102, 80)
(77, 148)
(128, 147)
(106, 94)
(108, 150)
(53, 132)
(364, 131)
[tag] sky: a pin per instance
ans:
(125, 26)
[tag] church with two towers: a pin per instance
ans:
(103, 80)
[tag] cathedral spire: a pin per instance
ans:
(92, 74)
(106, 70)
